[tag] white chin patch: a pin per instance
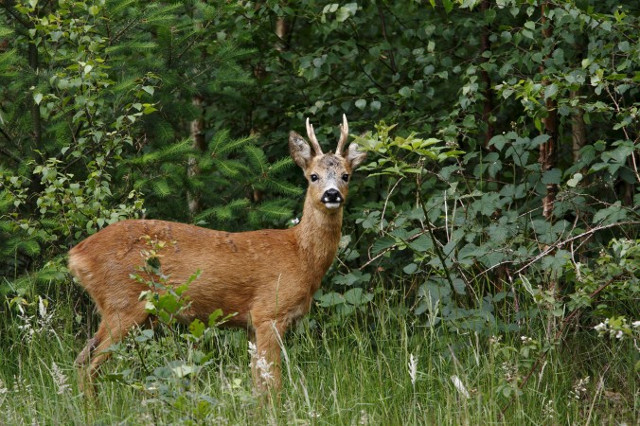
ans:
(332, 206)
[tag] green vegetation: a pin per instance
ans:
(358, 371)
(488, 270)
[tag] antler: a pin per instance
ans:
(312, 138)
(344, 134)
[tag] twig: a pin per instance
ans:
(436, 246)
(386, 201)
(383, 27)
(11, 11)
(575, 237)
(388, 249)
(8, 153)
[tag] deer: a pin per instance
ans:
(264, 279)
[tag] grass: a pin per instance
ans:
(354, 370)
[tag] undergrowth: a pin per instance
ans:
(381, 366)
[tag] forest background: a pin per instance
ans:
(495, 218)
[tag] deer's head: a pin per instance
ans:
(328, 174)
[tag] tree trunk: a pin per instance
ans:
(197, 136)
(547, 161)
(578, 131)
(546, 158)
(35, 109)
(485, 46)
(281, 32)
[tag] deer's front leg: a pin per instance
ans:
(265, 356)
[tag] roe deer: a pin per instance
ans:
(266, 277)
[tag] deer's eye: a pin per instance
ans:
(314, 177)
(345, 177)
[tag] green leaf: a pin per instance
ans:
(382, 244)
(421, 244)
(499, 141)
(459, 286)
(550, 91)
(612, 214)
(144, 336)
(183, 370)
(346, 11)
(539, 140)
(404, 91)
(575, 180)
(331, 299)
(196, 328)
(553, 176)
(215, 317)
(353, 296)
(411, 268)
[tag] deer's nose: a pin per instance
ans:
(332, 196)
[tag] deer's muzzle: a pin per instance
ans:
(332, 198)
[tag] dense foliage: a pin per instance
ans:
(502, 184)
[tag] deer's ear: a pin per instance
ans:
(355, 156)
(300, 150)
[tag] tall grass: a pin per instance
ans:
(384, 366)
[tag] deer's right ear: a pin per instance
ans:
(300, 150)
(355, 156)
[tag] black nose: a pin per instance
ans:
(332, 196)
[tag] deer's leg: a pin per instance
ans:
(86, 358)
(83, 356)
(110, 331)
(265, 365)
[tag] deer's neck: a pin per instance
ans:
(318, 235)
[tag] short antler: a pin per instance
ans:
(344, 134)
(312, 138)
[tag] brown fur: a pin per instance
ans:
(266, 277)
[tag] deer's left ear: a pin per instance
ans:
(355, 156)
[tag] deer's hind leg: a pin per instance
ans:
(112, 329)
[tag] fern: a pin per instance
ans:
(161, 188)
(230, 168)
(221, 144)
(205, 163)
(281, 166)
(118, 6)
(224, 212)
(5, 31)
(7, 60)
(156, 14)
(163, 131)
(256, 158)
(124, 85)
(173, 153)
(31, 247)
(283, 187)
(134, 46)
(275, 210)
(225, 77)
